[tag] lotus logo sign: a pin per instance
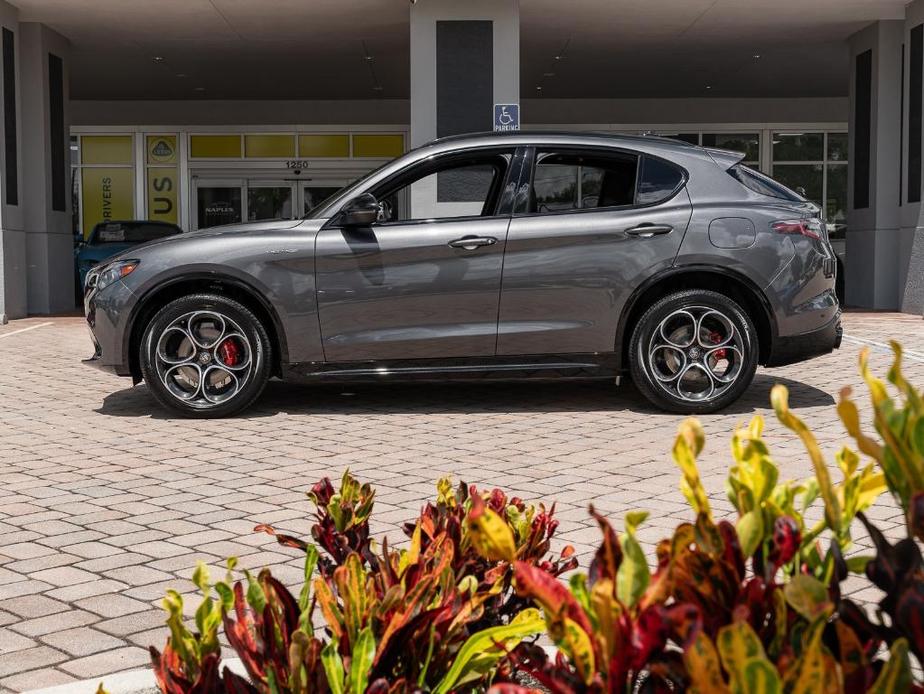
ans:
(162, 149)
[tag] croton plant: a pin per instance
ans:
(746, 604)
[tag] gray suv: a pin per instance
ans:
(489, 257)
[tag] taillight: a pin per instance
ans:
(804, 227)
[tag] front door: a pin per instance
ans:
(594, 226)
(424, 281)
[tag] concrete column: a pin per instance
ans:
(910, 270)
(465, 57)
(12, 238)
(46, 185)
(873, 230)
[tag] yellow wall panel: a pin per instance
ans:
(108, 195)
(106, 149)
(324, 146)
(378, 145)
(215, 146)
(269, 146)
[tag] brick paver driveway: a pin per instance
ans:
(105, 501)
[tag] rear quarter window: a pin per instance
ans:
(762, 185)
(658, 180)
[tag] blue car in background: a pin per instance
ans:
(111, 238)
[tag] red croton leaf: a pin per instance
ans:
(550, 593)
(608, 557)
(285, 540)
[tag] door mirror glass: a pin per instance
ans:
(361, 211)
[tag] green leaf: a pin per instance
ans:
(744, 658)
(361, 661)
(808, 596)
(333, 667)
(858, 564)
(633, 575)
(896, 673)
(750, 529)
(480, 652)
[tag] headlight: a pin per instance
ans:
(102, 277)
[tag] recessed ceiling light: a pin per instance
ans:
(708, 86)
(158, 59)
(557, 57)
(757, 56)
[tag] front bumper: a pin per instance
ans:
(796, 348)
(107, 314)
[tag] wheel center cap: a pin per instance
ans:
(205, 358)
(694, 353)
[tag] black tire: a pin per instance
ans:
(172, 382)
(692, 378)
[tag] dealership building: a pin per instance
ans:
(204, 112)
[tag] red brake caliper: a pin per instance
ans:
(229, 352)
(716, 338)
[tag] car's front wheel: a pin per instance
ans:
(694, 351)
(205, 356)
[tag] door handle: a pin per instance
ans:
(646, 231)
(470, 243)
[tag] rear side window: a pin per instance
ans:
(579, 181)
(658, 181)
(763, 185)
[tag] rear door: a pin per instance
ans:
(591, 225)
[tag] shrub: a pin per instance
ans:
(750, 604)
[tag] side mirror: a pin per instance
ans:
(362, 211)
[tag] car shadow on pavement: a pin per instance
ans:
(435, 398)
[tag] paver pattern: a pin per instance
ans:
(105, 501)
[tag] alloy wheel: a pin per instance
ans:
(203, 358)
(696, 354)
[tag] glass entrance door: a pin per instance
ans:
(313, 193)
(234, 199)
(218, 202)
(269, 200)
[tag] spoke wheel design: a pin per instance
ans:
(203, 358)
(696, 354)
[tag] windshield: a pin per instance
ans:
(131, 232)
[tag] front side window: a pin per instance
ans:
(464, 186)
(578, 181)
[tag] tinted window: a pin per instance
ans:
(569, 181)
(131, 233)
(658, 181)
(761, 184)
(457, 187)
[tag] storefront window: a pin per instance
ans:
(103, 168)
(806, 179)
(815, 165)
(798, 147)
(749, 143)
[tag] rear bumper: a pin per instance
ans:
(795, 348)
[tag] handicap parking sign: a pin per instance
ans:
(506, 117)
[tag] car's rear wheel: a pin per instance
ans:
(693, 352)
(205, 356)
